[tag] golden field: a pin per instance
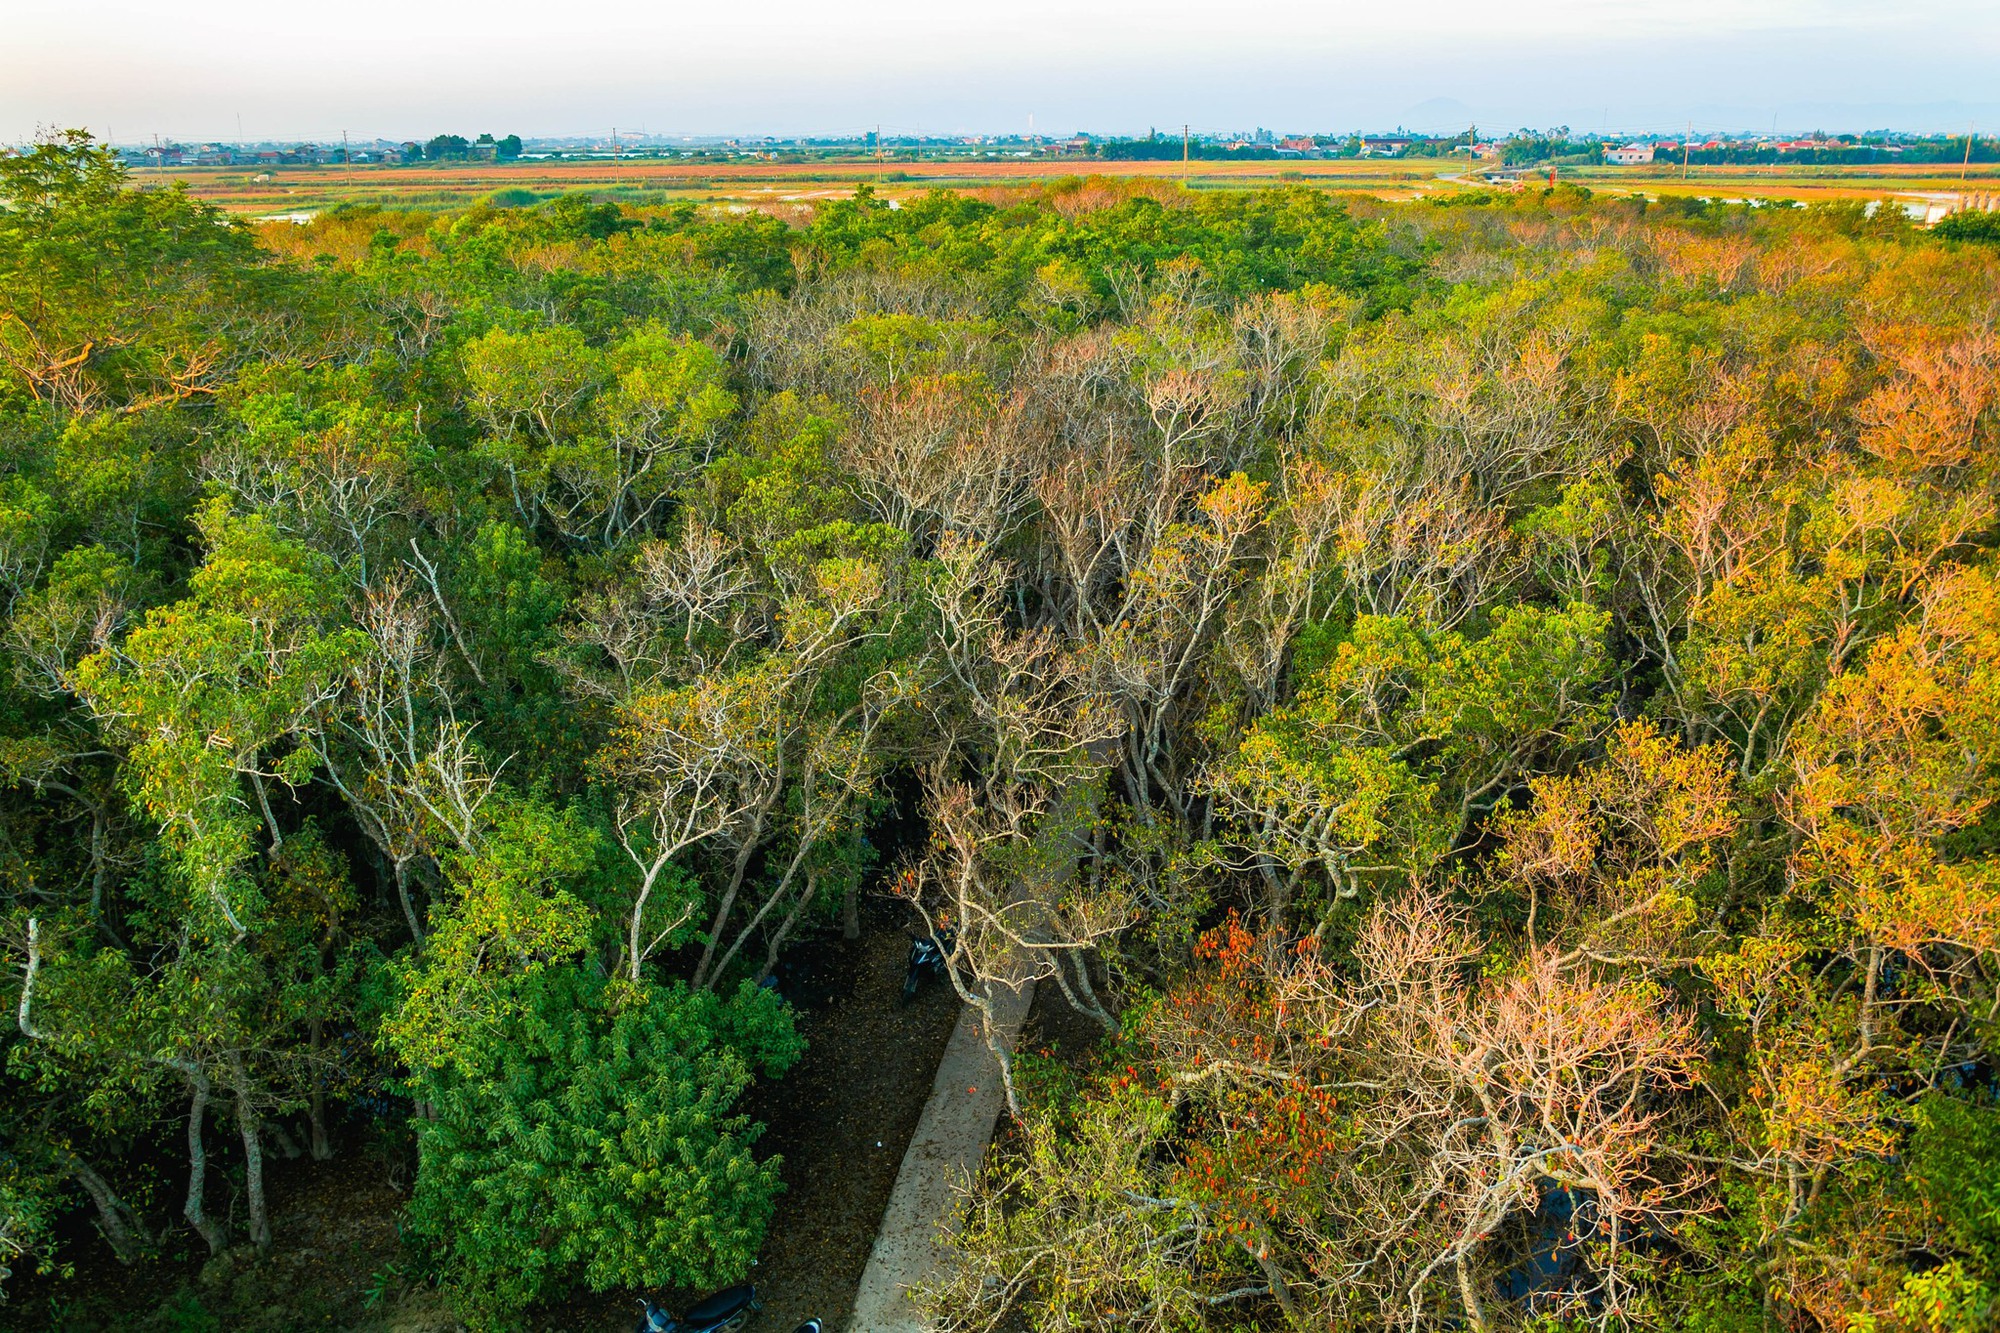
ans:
(305, 189)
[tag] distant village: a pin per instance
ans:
(1521, 149)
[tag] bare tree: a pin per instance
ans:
(1374, 1144)
(1029, 739)
(392, 745)
(711, 760)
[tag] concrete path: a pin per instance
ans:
(949, 1142)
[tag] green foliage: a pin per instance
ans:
(511, 608)
(590, 1139)
(1405, 737)
(513, 196)
(1954, 1159)
(126, 481)
(596, 439)
(25, 517)
(513, 918)
(1564, 627)
(1245, 242)
(29, 1207)
(59, 171)
(206, 687)
(186, 1313)
(1940, 1300)
(116, 296)
(1983, 227)
(1528, 146)
(581, 1128)
(1946, 1300)
(580, 216)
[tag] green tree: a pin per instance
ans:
(591, 1140)
(1406, 739)
(111, 296)
(578, 1128)
(205, 691)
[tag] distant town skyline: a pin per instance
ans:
(233, 70)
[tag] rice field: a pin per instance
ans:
(1806, 184)
(289, 189)
(298, 191)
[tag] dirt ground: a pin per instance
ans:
(335, 1263)
(843, 1119)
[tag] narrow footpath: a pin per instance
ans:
(947, 1147)
(843, 1118)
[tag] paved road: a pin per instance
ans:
(950, 1140)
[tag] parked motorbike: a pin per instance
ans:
(725, 1310)
(928, 953)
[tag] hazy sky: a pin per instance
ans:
(407, 68)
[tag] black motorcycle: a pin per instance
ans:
(928, 953)
(719, 1313)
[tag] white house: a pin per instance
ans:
(1631, 155)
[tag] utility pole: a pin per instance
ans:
(1966, 165)
(1687, 148)
(1184, 149)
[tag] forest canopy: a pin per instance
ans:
(1492, 707)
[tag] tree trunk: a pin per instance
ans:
(1281, 1290)
(850, 912)
(211, 1231)
(1468, 1297)
(402, 869)
(1002, 1056)
(749, 849)
(249, 1125)
(115, 1218)
(757, 919)
(264, 804)
(322, 1143)
(1084, 989)
(288, 1147)
(785, 929)
(100, 872)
